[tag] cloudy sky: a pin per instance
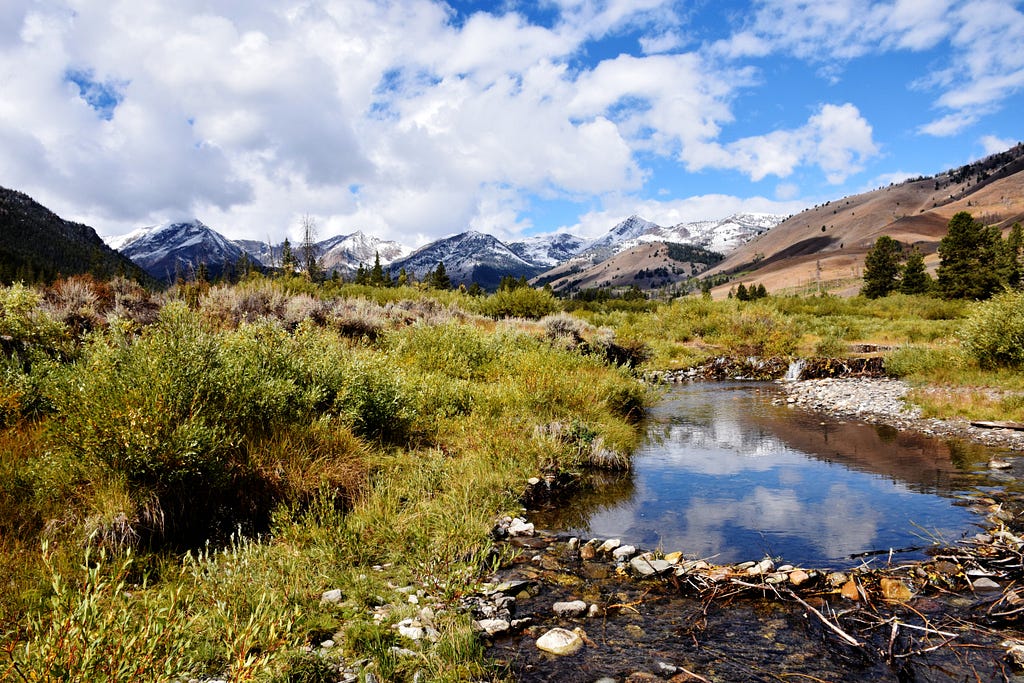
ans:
(415, 119)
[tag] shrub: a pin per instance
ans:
(993, 334)
(521, 302)
(456, 350)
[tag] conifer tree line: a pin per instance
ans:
(975, 262)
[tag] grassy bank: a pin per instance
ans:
(182, 481)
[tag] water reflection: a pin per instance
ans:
(725, 474)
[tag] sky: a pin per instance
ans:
(416, 119)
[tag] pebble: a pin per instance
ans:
(520, 527)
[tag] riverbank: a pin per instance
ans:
(883, 401)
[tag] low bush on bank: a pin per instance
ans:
(353, 433)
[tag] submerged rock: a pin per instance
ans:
(573, 608)
(560, 641)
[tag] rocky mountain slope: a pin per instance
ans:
(823, 248)
(468, 257)
(172, 250)
(36, 245)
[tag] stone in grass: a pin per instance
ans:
(624, 552)
(332, 597)
(894, 590)
(647, 567)
(560, 641)
(493, 627)
(798, 576)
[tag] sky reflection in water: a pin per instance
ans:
(725, 474)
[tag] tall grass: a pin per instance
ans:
(261, 409)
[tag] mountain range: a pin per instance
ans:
(172, 250)
(819, 249)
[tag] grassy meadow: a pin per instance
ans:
(184, 474)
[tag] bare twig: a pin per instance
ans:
(834, 627)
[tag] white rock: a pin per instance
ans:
(624, 552)
(493, 626)
(573, 608)
(332, 596)
(560, 641)
(520, 527)
(609, 545)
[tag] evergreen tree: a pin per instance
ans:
(760, 291)
(882, 268)
(377, 273)
(439, 277)
(1013, 270)
(705, 288)
(288, 260)
(741, 293)
(403, 277)
(362, 275)
(914, 278)
(475, 289)
(967, 259)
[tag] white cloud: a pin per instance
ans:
(994, 145)
(837, 139)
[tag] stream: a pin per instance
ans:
(728, 474)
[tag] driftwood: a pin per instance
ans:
(987, 424)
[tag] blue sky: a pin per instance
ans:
(415, 119)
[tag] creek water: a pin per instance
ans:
(725, 473)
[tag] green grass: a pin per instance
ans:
(336, 436)
(310, 458)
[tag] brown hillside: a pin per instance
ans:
(648, 266)
(824, 247)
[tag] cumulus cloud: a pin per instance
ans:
(836, 138)
(411, 121)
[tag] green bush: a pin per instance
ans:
(908, 361)
(993, 334)
(456, 350)
(520, 302)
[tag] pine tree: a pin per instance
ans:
(377, 272)
(439, 277)
(741, 293)
(1013, 270)
(403, 277)
(914, 278)
(882, 268)
(288, 261)
(967, 259)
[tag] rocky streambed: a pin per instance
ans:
(578, 609)
(883, 401)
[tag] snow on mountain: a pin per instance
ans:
(346, 252)
(630, 229)
(169, 250)
(548, 250)
(468, 257)
(725, 235)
